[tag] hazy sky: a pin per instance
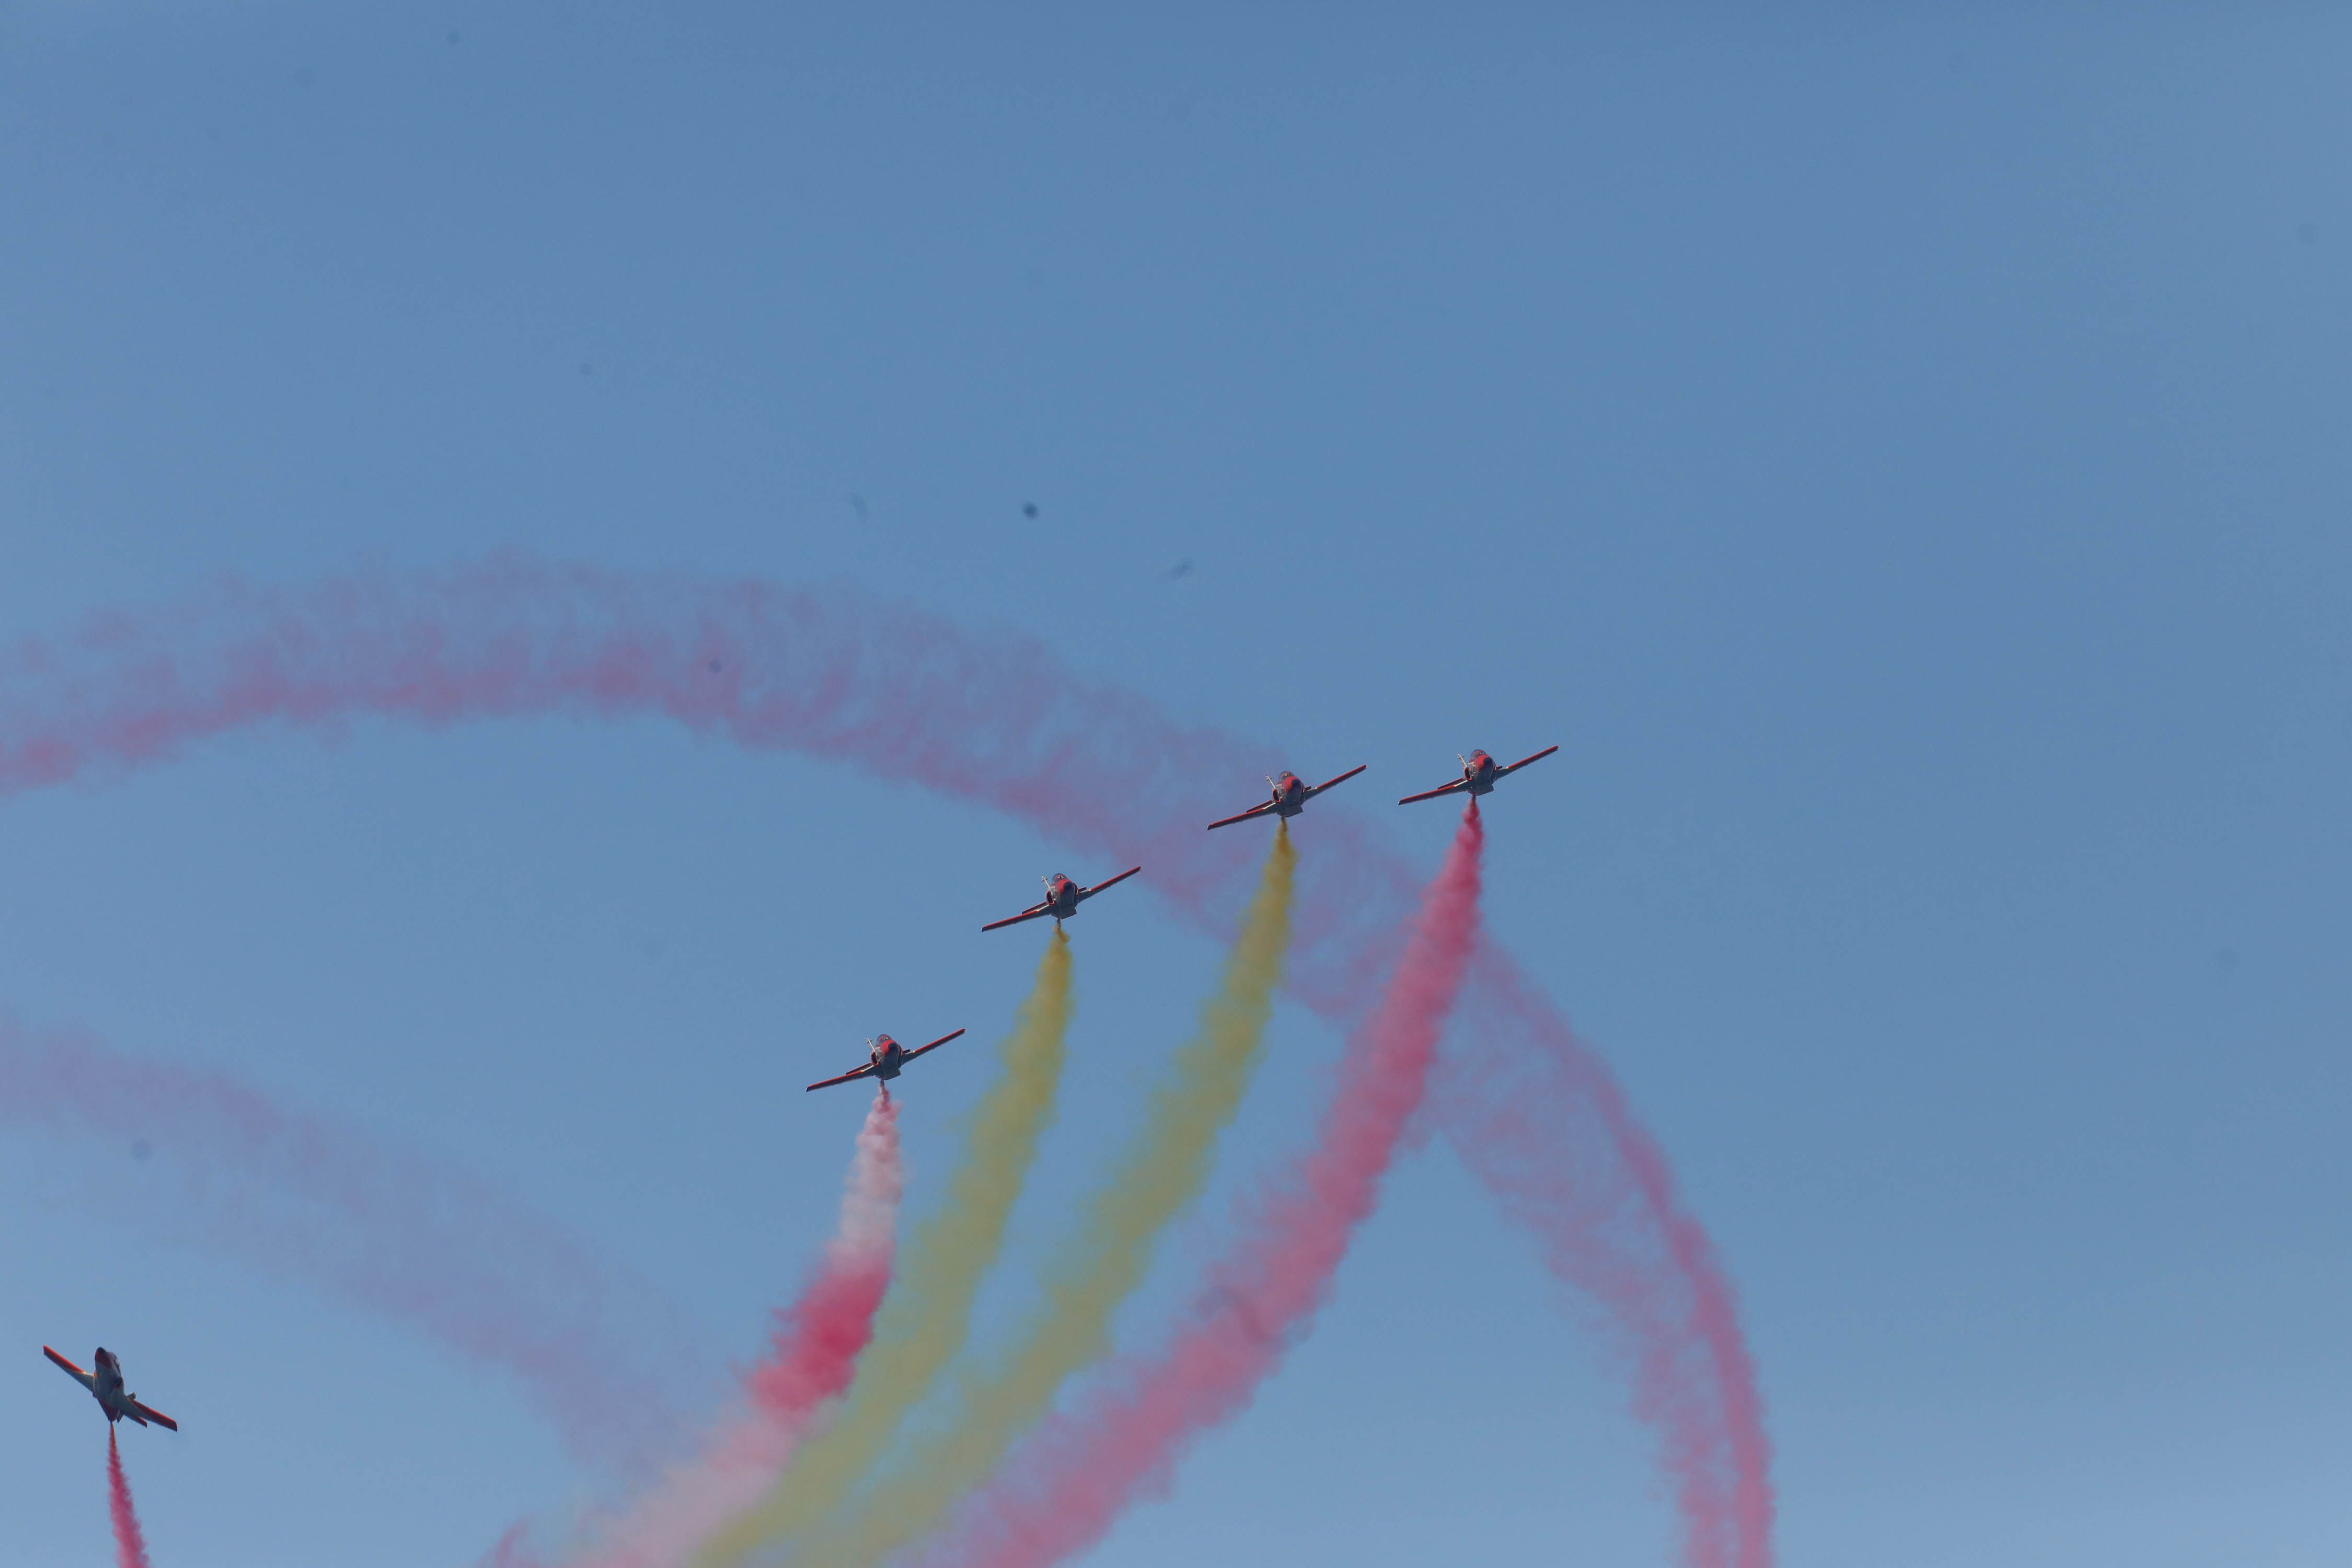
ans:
(1903, 461)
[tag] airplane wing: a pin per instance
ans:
(71, 1371)
(1114, 882)
(1343, 778)
(1031, 914)
(1260, 809)
(852, 1073)
(1454, 788)
(934, 1045)
(1523, 762)
(143, 1413)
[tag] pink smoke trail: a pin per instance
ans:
(129, 1545)
(815, 1345)
(811, 1357)
(1605, 1231)
(303, 1196)
(1064, 1489)
(908, 696)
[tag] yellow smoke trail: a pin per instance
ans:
(1106, 1259)
(925, 1318)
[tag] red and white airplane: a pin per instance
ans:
(105, 1385)
(886, 1056)
(1290, 797)
(1062, 900)
(1478, 775)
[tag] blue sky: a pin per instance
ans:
(1901, 459)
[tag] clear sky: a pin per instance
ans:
(1903, 460)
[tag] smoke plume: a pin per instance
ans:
(927, 1313)
(130, 1541)
(810, 1360)
(907, 696)
(1105, 1261)
(1062, 1491)
(306, 1196)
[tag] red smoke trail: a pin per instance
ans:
(908, 696)
(129, 1545)
(810, 1358)
(1064, 1489)
(306, 1196)
(814, 1349)
(1537, 1129)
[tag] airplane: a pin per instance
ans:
(106, 1387)
(1478, 775)
(1062, 900)
(1290, 797)
(888, 1058)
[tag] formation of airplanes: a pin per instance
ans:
(1286, 796)
(885, 1057)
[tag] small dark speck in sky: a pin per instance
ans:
(2307, 232)
(587, 369)
(714, 667)
(452, 35)
(2226, 959)
(1028, 509)
(857, 505)
(1181, 569)
(142, 1149)
(306, 76)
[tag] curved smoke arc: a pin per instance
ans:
(912, 697)
(420, 1242)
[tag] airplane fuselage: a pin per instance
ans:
(112, 1397)
(890, 1056)
(106, 1387)
(1061, 897)
(1289, 795)
(1478, 772)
